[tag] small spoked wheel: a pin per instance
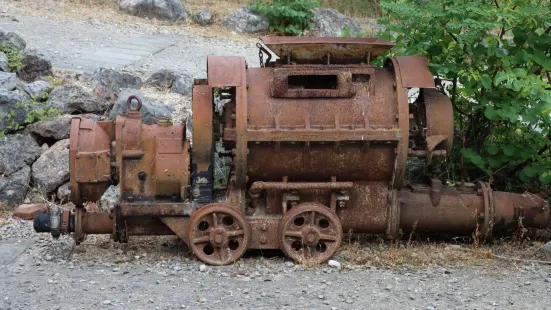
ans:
(310, 233)
(218, 234)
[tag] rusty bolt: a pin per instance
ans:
(263, 239)
(91, 155)
(77, 156)
(264, 227)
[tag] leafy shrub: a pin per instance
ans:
(14, 55)
(288, 17)
(491, 58)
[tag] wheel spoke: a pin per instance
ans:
(294, 234)
(214, 219)
(236, 233)
(201, 239)
(313, 218)
(327, 237)
(221, 252)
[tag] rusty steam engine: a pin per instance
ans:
(286, 156)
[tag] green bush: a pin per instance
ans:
(287, 17)
(492, 58)
(14, 55)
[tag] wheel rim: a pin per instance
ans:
(218, 235)
(310, 233)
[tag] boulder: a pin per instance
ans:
(58, 127)
(51, 169)
(35, 66)
(163, 78)
(8, 80)
(204, 17)
(183, 84)
(14, 107)
(75, 98)
(110, 198)
(28, 211)
(331, 23)
(13, 39)
(16, 152)
(151, 110)
(108, 82)
(13, 188)
(4, 62)
(171, 10)
(38, 90)
(245, 20)
(63, 192)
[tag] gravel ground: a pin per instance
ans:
(160, 273)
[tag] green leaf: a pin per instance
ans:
(530, 171)
(492, 150)
(486, 81)
(508, 149)
(490, 113)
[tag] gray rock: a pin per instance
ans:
(547, 251)
(35, 66)
(163, 78)
(4, 62)
(204, 17)
(172, 10)
(13, 188)
(16, 152)
(372, 27)
(58, 127)
(75, 98)
(183, 84)
(13, 39)
(151, 110)
(14, 107)
(63, 192)
(8, 80)
(245, 20)
(51, 169)
(108, 82)
(331, 23)
(38, 90)
(110, 198)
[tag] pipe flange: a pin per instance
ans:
(486, 222)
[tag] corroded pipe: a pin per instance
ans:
(462, 213)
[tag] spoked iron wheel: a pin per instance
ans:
(310, 233)
(218, 234)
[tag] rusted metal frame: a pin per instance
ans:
(402, 118)
(316, 135)
(307, 50)
(179, 225)
(156, 209)
(241, 148)
(203, 144)
(73, 149)
(393, 230)
(263, 228)
(259, 186)
(413, 71)
(423, 154)
(280, 86)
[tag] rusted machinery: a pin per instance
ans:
(285, 156)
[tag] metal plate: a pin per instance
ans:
(315, 49)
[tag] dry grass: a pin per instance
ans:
(4, 217)
(372, 251)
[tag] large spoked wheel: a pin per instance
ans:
(310, 233)
(218, 234)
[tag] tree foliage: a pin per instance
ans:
(288, 17)
(493, 59)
